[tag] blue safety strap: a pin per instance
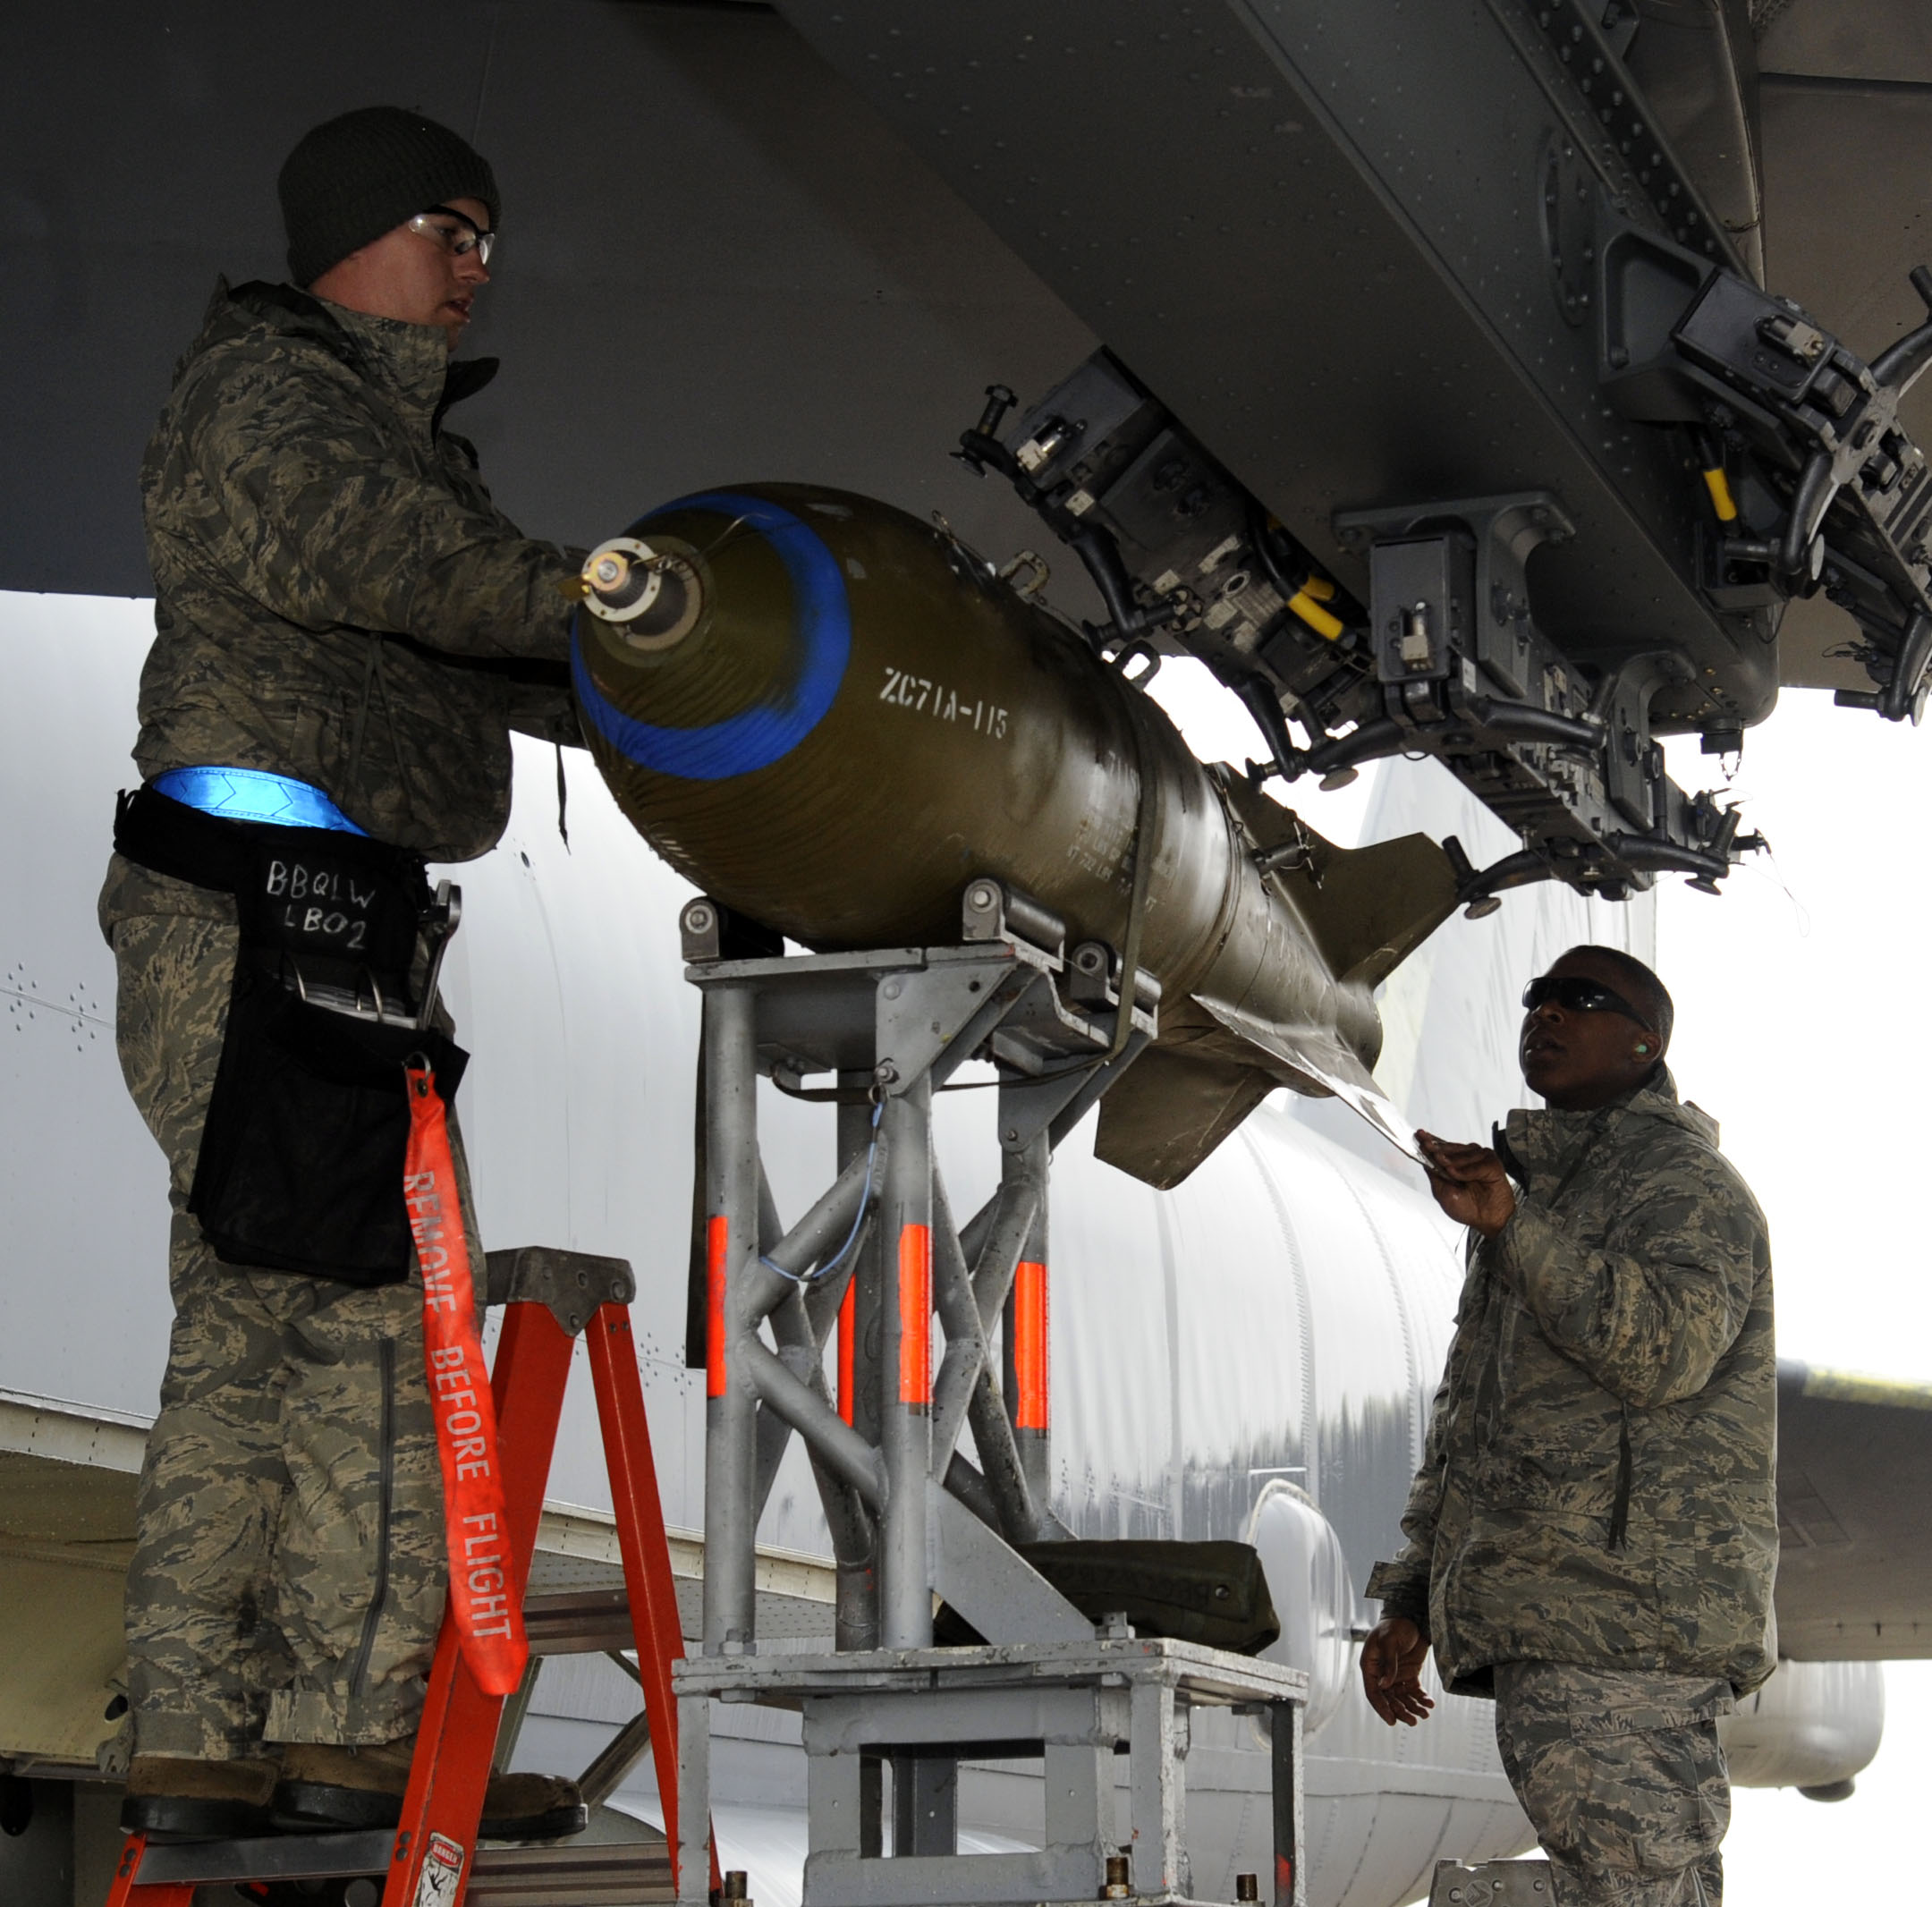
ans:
(769, 730)
(253, 794)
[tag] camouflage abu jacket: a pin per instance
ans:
(336, 598)
(1599, 1484)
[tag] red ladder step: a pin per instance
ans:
(550, 1294)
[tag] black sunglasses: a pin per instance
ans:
(1580, 995)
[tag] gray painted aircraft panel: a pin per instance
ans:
(708, 234)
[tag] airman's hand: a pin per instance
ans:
(1392, 1661)
(1469, 1181)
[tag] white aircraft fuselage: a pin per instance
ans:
(1250, 1355)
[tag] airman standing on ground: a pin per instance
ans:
(1593, 1533)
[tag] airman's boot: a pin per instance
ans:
(172, 1797)
(324, 1785)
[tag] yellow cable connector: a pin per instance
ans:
(1302, 602)
(1319, 588)
(1722, 502)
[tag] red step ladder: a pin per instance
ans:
(430, 1859)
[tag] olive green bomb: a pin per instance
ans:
(831, 716)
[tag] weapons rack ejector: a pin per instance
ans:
(873, 1260)
(1798, 479)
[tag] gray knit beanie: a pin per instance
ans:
(354, 178)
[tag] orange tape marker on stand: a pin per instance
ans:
(484, 1597)
(847, 1350)
(1030, 1347)
(717, 1255)
(915, 1315)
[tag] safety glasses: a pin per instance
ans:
(460, 242)
(1577, 994)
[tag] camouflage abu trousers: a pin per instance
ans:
(290, 1560)
(1623, 1777)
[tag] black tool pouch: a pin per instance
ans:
(300, 1163)
(300, 1167)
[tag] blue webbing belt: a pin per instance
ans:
(253, 794)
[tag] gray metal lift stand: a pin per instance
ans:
(911, 1520)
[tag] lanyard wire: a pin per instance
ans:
(805, 1280)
